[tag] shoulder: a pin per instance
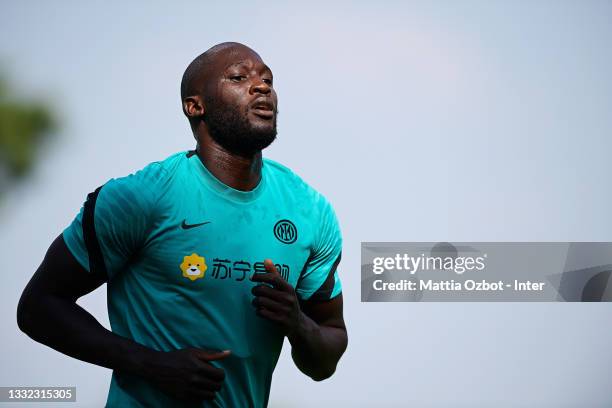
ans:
(297, 189)
(154, 175)
(171, 164)
(143, 187)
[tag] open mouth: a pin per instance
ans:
(263, 110)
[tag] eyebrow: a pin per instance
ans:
(265, 67)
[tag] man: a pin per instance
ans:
(211, 258)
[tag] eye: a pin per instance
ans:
(267, 81)
(237, 78)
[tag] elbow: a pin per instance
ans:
(25, 316)
(319, 378)
(22, 316)
(326, 371)
(323, 374)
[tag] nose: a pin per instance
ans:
(261, 87)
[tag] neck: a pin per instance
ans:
(239, 172)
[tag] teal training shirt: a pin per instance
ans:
(179, 248)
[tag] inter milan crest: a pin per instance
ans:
(285, 232)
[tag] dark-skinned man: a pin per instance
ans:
(211, 258)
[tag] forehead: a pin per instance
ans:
(239, 56)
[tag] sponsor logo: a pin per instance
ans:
(223, 269)
(193, 267)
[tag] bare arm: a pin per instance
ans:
(316, 330)
(49, 314)
(320, 338)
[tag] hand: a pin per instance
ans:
(187, 373)
(277, 302)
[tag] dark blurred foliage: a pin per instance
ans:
(24, 125)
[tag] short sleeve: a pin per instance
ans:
(114, 222)
(319, 279)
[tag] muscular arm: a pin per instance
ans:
(49, 314)
(315, 329)
(320, 338)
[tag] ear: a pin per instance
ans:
(193, 106)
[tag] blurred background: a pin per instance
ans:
(420, 121)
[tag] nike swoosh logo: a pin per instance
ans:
(184, 225)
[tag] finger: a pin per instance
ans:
(267, 291)
(267, 314)
(213, 373)
(270, 267)
(271, 278)
(269, 304)
(206, 384)
(212, 356)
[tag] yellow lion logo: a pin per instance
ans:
(194, 267)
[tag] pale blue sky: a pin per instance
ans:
(420, 121)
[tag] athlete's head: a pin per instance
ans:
(227, 91)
